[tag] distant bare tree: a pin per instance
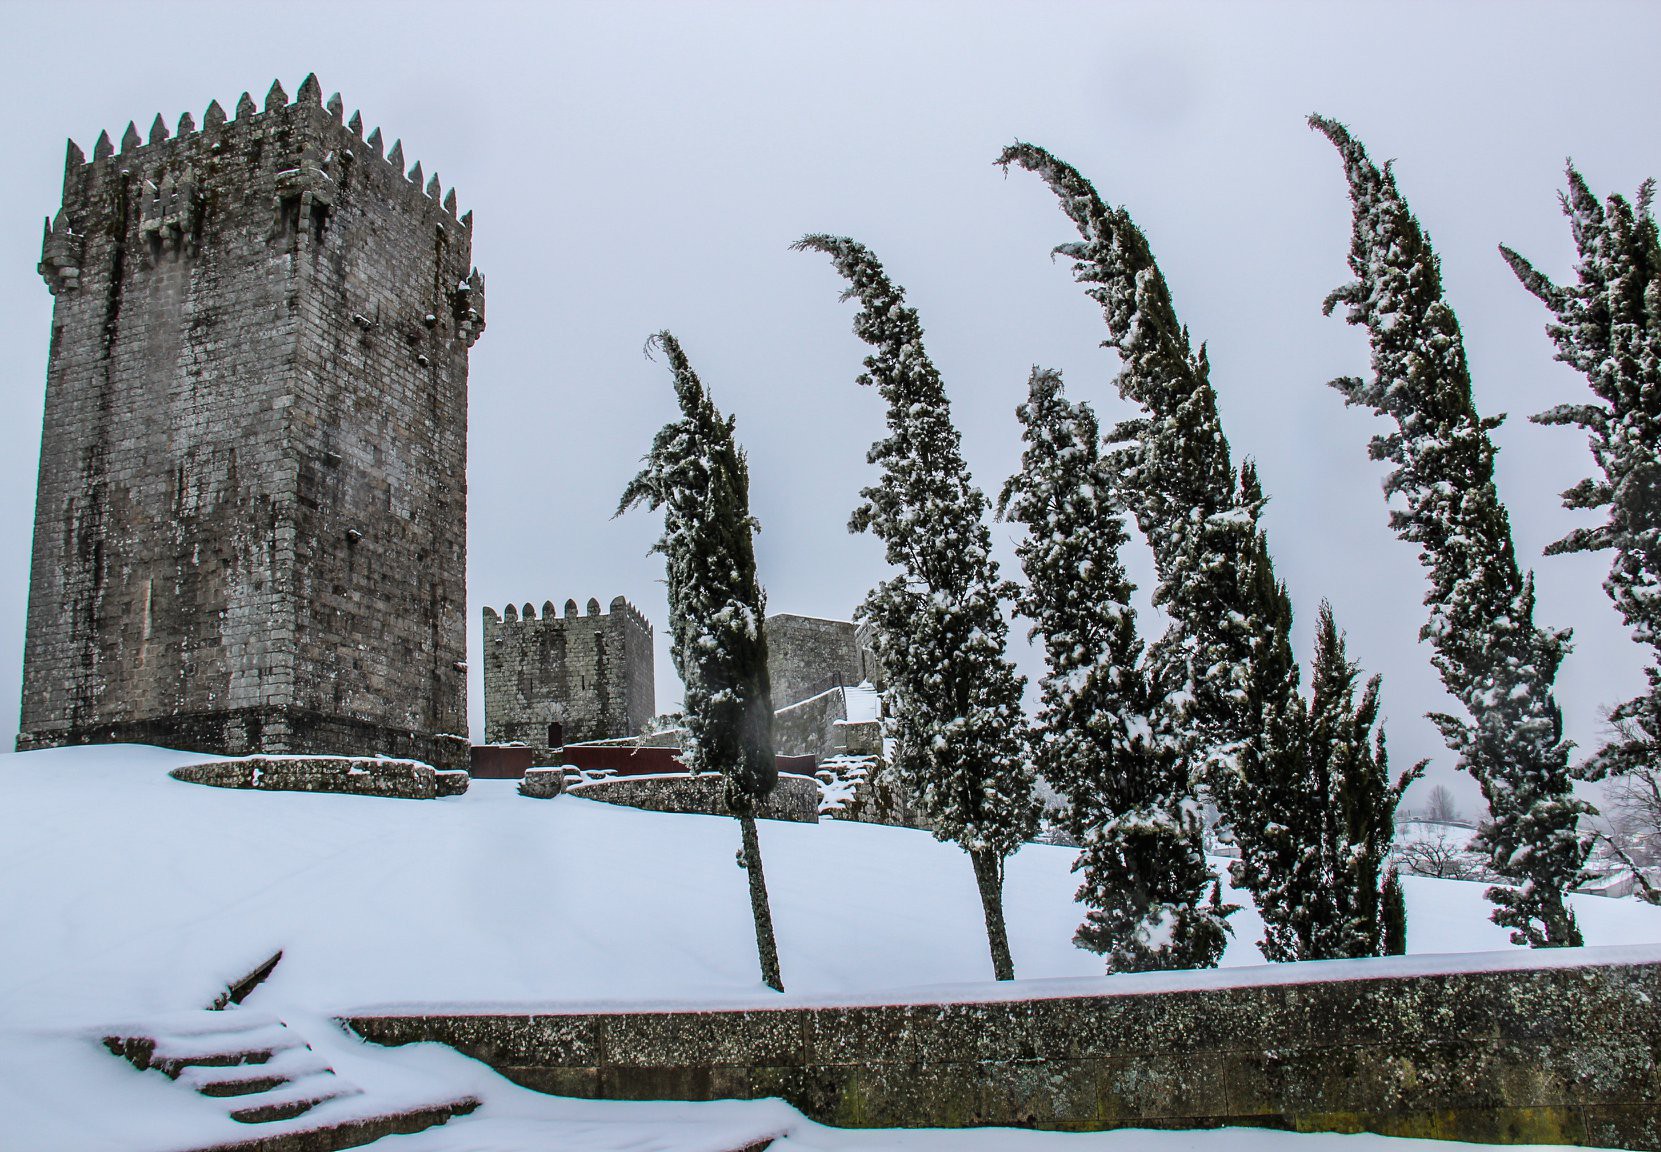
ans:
(1441, 805)
(1632, 804)
(1438, 855)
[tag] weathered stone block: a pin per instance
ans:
(850, 1035)
(1622, 1125)
(818, 1089)
(579, 1082)
(1039, 1093)
(542, 783)
(1132, 1090)
(644, 1039)
(450, 782)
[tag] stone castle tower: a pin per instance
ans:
(563, 680)
(250, 531)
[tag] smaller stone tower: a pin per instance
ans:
(566, 679)
(807, 655)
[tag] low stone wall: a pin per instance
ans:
(357, 776)
(1533, 1054)
(794, 798)
(866, 790)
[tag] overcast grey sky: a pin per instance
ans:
(642, 166)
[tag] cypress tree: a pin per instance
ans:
(1492, 657)
(1395, 915)
(1106, 739)
(954, 700)
(1358, 801)
(698, 475)
(1608, 328)
(1226, 663)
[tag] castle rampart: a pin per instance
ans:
(250, 530)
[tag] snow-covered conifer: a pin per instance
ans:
(1395, 914)
(954, 700)
(698, 475)
(1357, 799)
(1321, 816)
(1608, 328)
(1228, 651)
(1226, 661)
(1492, 657)
(1105, 738)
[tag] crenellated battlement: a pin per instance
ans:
(136, 149)
(527, 612)
(299, 153)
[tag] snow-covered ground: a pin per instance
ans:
(127, 894)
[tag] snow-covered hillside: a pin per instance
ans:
(127, 894)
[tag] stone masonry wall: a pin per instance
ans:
(251, 517)
(806, 655)
(354, 776)
(810, 727)
(592, 675)
(794, 798)
(1536, 1055)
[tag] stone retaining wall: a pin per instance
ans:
(807, 727)
(793, 797)
(357, 776)
(1545, 1055)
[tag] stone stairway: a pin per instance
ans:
(264, 1073)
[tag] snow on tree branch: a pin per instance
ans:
(1607, 327)
(1105, 741)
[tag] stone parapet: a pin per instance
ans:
(1563, 1052)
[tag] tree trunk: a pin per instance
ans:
(989, 878)
(766, 948)
(1559, 919)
